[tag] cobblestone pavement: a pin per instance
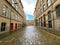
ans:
(33, 36)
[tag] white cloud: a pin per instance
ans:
(29, 6)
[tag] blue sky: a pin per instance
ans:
(29, 17)
(29, 7)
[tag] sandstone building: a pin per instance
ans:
(47, 14)
(12, 15)
(30, 22)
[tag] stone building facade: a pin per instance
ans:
(12, 15)
(47, 14)
(30, 22)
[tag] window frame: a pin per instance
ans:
(58, 12)
(4, 10)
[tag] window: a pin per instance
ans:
(58, 11)
(13, 3)
(3, 26)
(4, 10)
(48, 2)
(49, 15)
(40, 11)
(16, 17)
(50, 24)
(37, 22)
(11, 15)
(16, 7)
(44, 21)
(44, 7)
(49, 20)
(40, 3)
(38, 14)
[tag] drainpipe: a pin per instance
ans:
(10, 20)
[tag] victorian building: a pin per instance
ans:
(47, 14)
(12, 15)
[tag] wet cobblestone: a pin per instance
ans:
(33, 36)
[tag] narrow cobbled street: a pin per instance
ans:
(31, 35)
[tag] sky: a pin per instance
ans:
(29, 7)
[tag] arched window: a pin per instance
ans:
(49, 20)
(58, 11)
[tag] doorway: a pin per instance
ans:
(11, 26)
(16, 26)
